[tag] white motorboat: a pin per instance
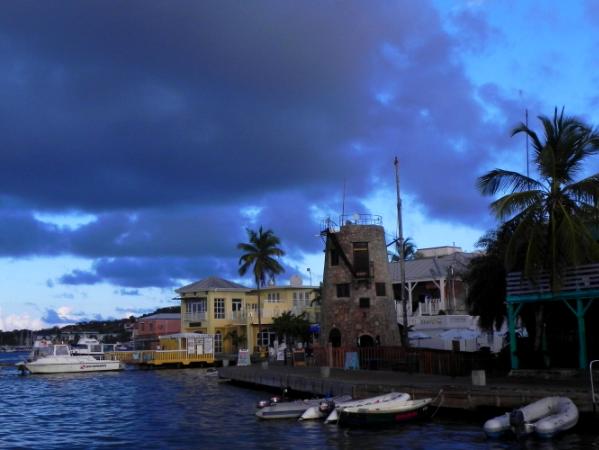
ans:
(545, 417)
(333, 416)
(92, 347)
(58, 359)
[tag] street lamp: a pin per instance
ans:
(310, 273)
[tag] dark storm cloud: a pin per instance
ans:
(165, 119)
(51, 316)
(163, 272)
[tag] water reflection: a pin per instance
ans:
(187, 409)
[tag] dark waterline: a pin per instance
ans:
(187, 409)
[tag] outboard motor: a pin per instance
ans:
(275, 399)
(326, 406)
(519, 425)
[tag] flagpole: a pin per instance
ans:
(402, 261)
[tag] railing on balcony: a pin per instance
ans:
(584, 277)
(238, 316)
(195, 317)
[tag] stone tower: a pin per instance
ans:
(357, 295)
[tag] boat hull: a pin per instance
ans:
(72, 367)
(365, 417)
(333, 417)
(291, 410)
(286, 410)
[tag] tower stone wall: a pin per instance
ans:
(357, 296)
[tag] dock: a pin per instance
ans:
(449, 392)
(161, 358)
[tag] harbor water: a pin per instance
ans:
(189, 409)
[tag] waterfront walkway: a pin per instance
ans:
(449, 392)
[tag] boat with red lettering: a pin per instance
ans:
(386, 413)
(57, 358)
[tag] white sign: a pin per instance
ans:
(243, 357)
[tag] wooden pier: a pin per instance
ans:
(161, 357)
(450, 392)
(179, 349)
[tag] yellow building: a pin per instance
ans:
(229, 311)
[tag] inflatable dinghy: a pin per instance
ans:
(545, 417)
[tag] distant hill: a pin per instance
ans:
(108, 327)
(165, 310)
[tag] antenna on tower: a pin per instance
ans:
(343, 201)
(526, 119)
(526, 123)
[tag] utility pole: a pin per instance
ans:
(402, 262)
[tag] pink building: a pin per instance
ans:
(148, 329)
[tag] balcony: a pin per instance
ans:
(239, 317)
(193, 318)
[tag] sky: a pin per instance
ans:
(138, 143)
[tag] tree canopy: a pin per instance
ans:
(550, 215)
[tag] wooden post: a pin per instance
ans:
(511, 320)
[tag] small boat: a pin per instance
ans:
(276, 409)
(386, 413)
(545, 417)
(59, 359)
(333, 416)
(92, 347)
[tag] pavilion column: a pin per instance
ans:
(511, 320)
(411, 287)
(579, 312)
(582, 338)
(442, 294)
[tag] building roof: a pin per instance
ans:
(211, 284)
(163, 316)
(421, 269)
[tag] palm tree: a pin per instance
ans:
(260, 254)
(485, 278)
(549, 216)
(409, 250)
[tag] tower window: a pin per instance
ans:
(364, 302)
(343, 290)
(361, 259)
(334, 257)
(381, 289)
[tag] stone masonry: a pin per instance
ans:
(358, 303)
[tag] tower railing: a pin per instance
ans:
(361, 219)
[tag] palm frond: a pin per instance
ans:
(585, 191)
(516, 203)
(499, 180)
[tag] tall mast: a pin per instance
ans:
(402, 262)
